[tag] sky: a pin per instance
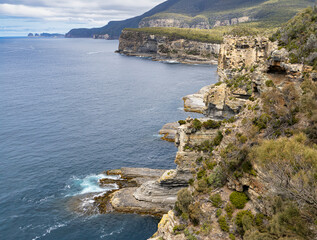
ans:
(20, 17)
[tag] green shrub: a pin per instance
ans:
(191, 237)
(223, 224)
(211, 124)
(290, 165)
(269, 83)
(241, 31)
(259, 218)
(205, 229)
(218, 212)
(228, 131)
(298, 36)
(191, 181)
(289, 221)
(196, 124)
(252, 99)
(201, 173)
(233, 158)
(241, 138)
(217, 140)
(184, 199)
(205, 146)
(229, 208)
(195, 213)
(202, 185)
(240, 82)
(247, 167)
(179, 228)
(217, 178)
(199, 160)
(214, 35)
(182, 122)
(216, 200)
(240, 215)
(262, 121)
(232, 237)
(238, 199)
(210, 164)
(185, 216)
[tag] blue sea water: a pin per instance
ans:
(70, 109)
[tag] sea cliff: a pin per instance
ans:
(259, 96)
(157, 47)
(219, 179)
(247, 169)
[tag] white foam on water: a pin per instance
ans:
(90, 53)
(111, 233)
(171, 62)
(90, 184)
(45, 199)
(158, 135)
(50, 229)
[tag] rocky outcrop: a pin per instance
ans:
(231, 21)
(162, 48)
(195, 102)
(101, 36)
(237, 54)
(187, 22)
(200, 23)
(140, 190)
(222, 103)
(169, 131)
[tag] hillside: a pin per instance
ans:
(298, 36)
(254, 173)
(114, 28)
(204, 14)
(248, 169)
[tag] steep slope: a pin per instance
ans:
(114, 28)
(298, 36)
(204, 14)
(256, 178)
(226, 12)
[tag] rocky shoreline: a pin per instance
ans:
(213, 163)
(162, 48)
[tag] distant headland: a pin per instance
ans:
(50, 35)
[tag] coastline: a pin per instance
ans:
(171, 60)
(162, 48)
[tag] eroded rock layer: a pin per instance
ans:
(134, 43)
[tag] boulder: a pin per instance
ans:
(169, 131)
(195, 102)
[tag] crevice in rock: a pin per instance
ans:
(276, 69)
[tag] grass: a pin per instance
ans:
(202, 35)
(298, 36)
(214, 35)
(263, 13)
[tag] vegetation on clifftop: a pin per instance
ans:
(298, 36)
(202, 35)
(262, 184)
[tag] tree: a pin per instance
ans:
(290, 166)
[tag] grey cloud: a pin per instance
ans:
(63, 15)
(76, 9)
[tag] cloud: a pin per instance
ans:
(70, 13)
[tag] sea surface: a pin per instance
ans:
(70, 109)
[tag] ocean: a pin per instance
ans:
(71, 109)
